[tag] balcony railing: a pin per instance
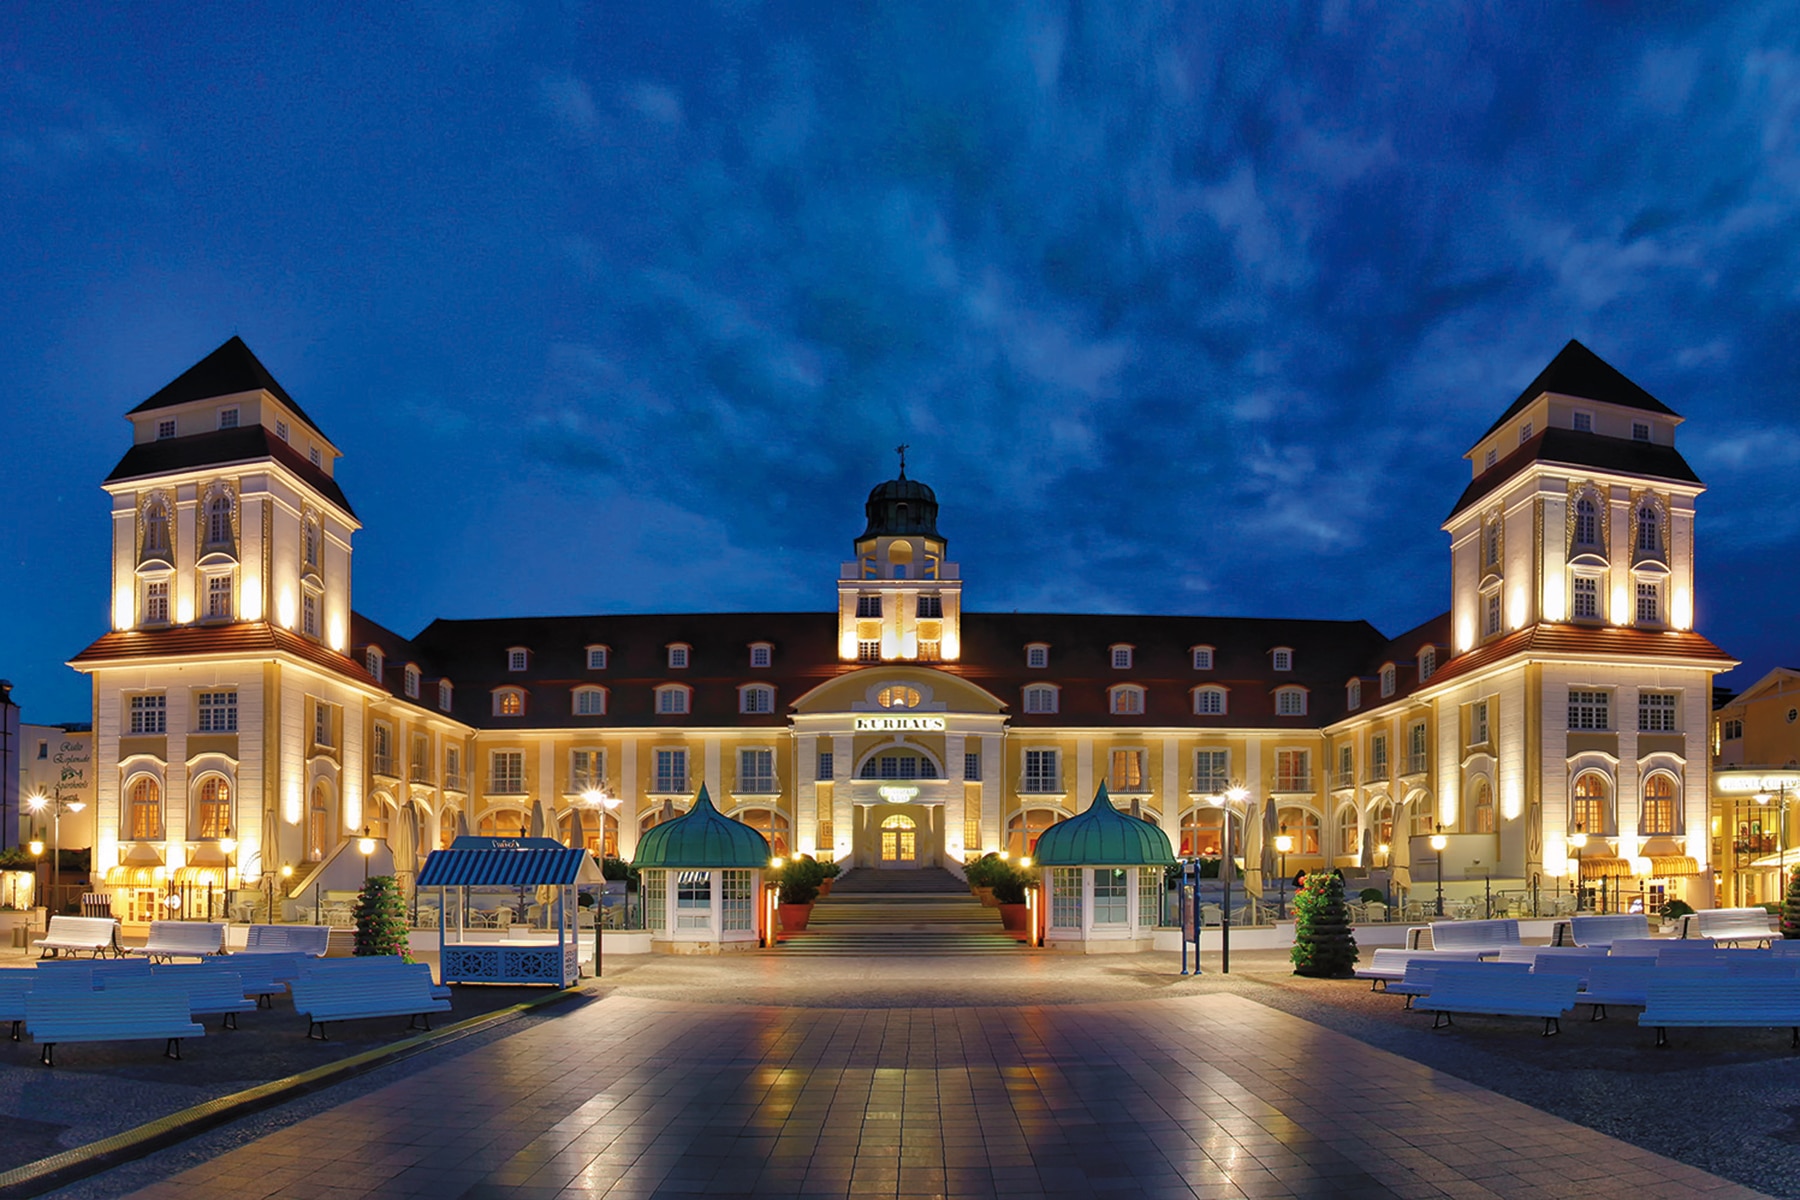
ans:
(506, 785)
(1128, 787)
(670, 785)
(1378, 772)
(1210, 785)
(453, 781)
(420, 773)
(1343, 779)
(1417, 764)
(1293, 783)
(757, 785)
(1041, 785)
(383, 764)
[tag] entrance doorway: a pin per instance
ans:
(899, 842)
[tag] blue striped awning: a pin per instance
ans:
(527, 866)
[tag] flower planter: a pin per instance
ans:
(824, 889)
(1015, 918)
(986, 896)
(793, 916)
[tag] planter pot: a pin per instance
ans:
(986, 896)
(824, 889)
(793, 916)
(1015, 918)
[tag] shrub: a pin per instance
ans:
(798, 880)
(831, 869)
(1790, 908)
(1009, 888)
(986, 871)
(1371, 896)
(617, 869)
(1324, 946)
(381, 918)
(1674, 910)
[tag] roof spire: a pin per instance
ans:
(901, 451)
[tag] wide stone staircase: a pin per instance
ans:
(924, 911)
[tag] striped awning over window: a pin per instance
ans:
(1606, 868)
(1671, 866)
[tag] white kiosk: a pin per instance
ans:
(541, 947)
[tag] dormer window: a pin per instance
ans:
(1281, 659)
(1209, 702)
(228, 418)
(315, 456)
(281, 430)
(672, 699)
(1126, 700)
(1427, 663)
(1290, 702)
(678, 656)
(590, 702)
(1524, 433)
(1037, 656)
(1040, 698)
(1583, 422)
(1353, 695)
(1492, 457)
(412, 680)
(165, 429)
(756, 698)
(518, 658)
(1203, 658)
(1121, 658)
(372, 660)
(509, 702)
(1640, 431)
(596, 658)
(446, 694)
(761, 654)
(1387, 680)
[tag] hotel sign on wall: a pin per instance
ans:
(899, 724)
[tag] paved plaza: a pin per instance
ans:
(633, 1095)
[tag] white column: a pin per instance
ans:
(1084, 775)
(806, 796)
(712, 771)
(627, 811)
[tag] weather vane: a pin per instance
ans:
(901, 451)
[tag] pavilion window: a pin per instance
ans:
(1111, 895)
(656, 899)
(735, 893)
(693, 900)
(1150, 893)
(1065, 902)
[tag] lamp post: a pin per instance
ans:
(1577, 840)
(1232, 796)
(228, 844)
(287, 873)
(1763, 798)
(37, 802)
(1283, 843)
(1386, 851)
(1438, 842)
(365, 846)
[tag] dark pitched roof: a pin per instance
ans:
(1403, 652)
(242, 639)
(1571, 448)
(1578, 371)
(224, 447)
(230, 369)
(396, 652)
(1582, 640)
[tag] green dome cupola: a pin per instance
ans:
(1102, 836)
(702, 837)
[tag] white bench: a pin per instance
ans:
(127, 1015)
(211, 991)
(1422, 974)
(1389, 963)
(287, 939)
(1693, 999)
(96, 935)
(1484, 936)
(375, 964)
(353, 995)
(1600, 930)
(1729, 925)
(1623, 981)
(1492, 990)
(1553, 960)
(188, 939)
(263, 974)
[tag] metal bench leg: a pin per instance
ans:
(227, 1021)
(319, 1036)
(173, 1049)
(1552, 1026)
(1662, 1038)
(417, 1017)
(1795, 1044)
(15, 1031)
(1442, 1020)
(46, 1058)
(1598, 1013)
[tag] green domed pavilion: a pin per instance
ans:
(1103, 874)
(701, 880)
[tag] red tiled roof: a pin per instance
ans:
(1558, 641)
(243, 639)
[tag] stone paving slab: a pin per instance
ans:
(633, 1097)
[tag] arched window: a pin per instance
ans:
(1659, 815)
(599, 832)
(1025, 827)
(156, 530)
(1383, 816)
(212, 808)
(1303, 826)
(1203, 833)
(898, 696)
(771, 824)
(509, 702)
(899, 765)
(1209, 702)
(1490, 543)
(1587, 522)
(309, 543)
(1590, 809)
(218, 521)
(146, 809)
(446, 828)
(1348, 838)
(318, 822)
(1649, 530)
(505, 823)
(1481, 808)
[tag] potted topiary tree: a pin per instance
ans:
(1009, 887)
(983, 874)
(381, 918)
(1324, 946)
(797, 884)
(830, 870)
(1790, 908)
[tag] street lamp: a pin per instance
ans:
(287, 873)
(37, 802)
(1283, 843)
(1438, 842)
(1763, 798)
(1235, 795)
(228, 844)
(596, 799)
(1386, 850)
(365, 846)
(1577, 840)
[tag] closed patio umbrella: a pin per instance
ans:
(1368, 849)
(577, 827)
(462, 823)
(537, 819)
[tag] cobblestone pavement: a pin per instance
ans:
(640, 1095)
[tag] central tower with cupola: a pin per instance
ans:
(901, 600)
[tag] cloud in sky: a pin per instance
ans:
(1181, 308)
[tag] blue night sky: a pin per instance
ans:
(1183, 308)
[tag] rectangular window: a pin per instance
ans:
(453, 769)
(671, 771)
(678, 658)
(1640, 431)
(736, 911)
(228, 418)
(1127, 771)
(322, 724)
(1491, 625)
(596, 658)
(1284, 660)
(1587, 710)
(1524, 433)
(218, 596)
(972, 824)
(1203, 658)
(517, 659)
(1584, 422)
(587, 770)
(760, 656)
(281, 430)
(1037, 657)
(1478, 724)
(930, 650)
(1649, 602)
(1065, 897)
(757, 700)
(868, 652)
(165, 429)
(1127, 701)
(1150, 894)
(1733, 729)
(421, 758)
(1211, 770)
(1290, 702)
(156, 603)
(672, 700)
(1209, 702)
(756, 771)
(218, 712)
(1416, 761)
(656, 900)
(972, 766)
(1656, 712)
(931, 607)
(590, 702)
(1378, 757)
(827, 764)
(1121, 658)
(1492, 455)
(1587, 597)
(309, 615)
(411, 679)
(1040, 700)
(317, 459)
(1346, 769)
(506, 771)
(149, 714)
(1293, 771)
(693, 900)
(383, 750)
(1110, 896)
(868, 606)
(1041, 772)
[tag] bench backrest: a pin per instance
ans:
(1640, 947)
(208, 990)
(87, 931)
(294, 939)
(1393, 957)
(1604, 929)
(192, 937)
(1732, 922)
(335, 991)
(1699, 951)
(1746, 1001)
(1502, 987)
(145, 1011)
(1424, 970)
(1464, 935)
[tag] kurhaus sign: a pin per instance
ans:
(899, 724)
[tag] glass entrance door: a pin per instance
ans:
(899, 842)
